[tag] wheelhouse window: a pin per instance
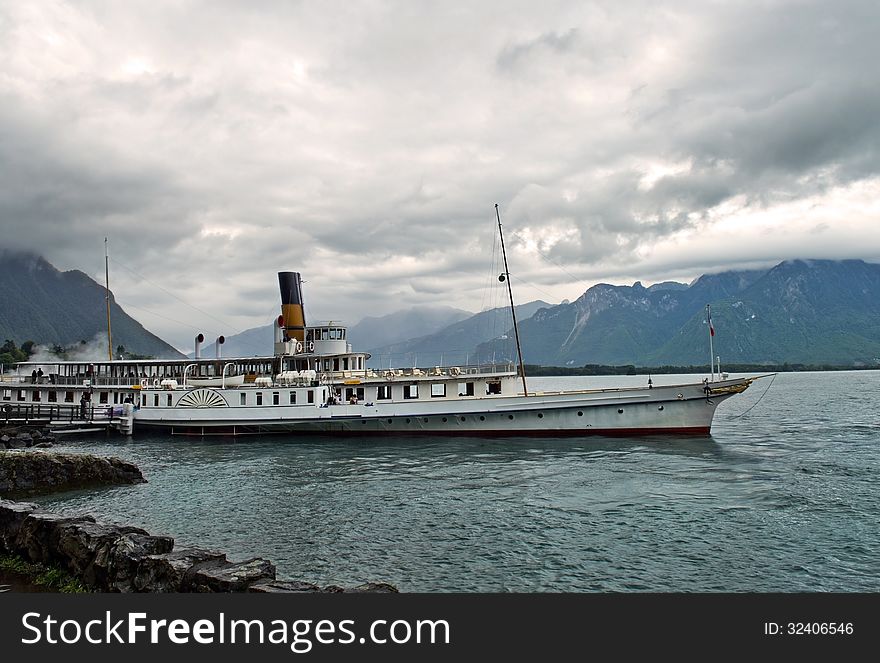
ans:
(276, 398)
(102, 398)
(493, 387)
(36, 397)
(21, 393)
(259, 398)
(168, 400)
(411, 391)
(7, 394)
(383, 392)
(311, 397)
(53, 397)
(293, 398)
(465, 388)
(68, 397)
(242, 399)
(438, 390)
(155, 400)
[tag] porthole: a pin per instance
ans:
(620, 410)
(463, 419)
(364, 422)
(482, 418)
(445, 420)
(660, 408)
(540, 415)
(389, 421)
(407, 421)
(510, 416)
(425, 419)
(580, 414)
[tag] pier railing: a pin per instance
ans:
(44, 412)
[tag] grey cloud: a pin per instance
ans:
(514, 55)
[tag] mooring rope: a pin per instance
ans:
(760, 399)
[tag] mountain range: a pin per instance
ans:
(800, 311)
(42, 304)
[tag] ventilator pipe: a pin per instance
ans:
(220, 341)
(199, 340)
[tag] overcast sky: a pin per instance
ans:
(365, 144)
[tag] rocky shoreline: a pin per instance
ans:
(118, 558)
(23, 437)
(27, 472)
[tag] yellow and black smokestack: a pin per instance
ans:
(292, 306)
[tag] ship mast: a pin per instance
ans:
(506, 277)
(107, 281)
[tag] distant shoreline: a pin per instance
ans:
(534, 370)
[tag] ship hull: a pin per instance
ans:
(674, 410)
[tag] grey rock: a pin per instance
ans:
(126, 555)
(284, 587)
(41, 472)
(12, 516)
(233, 577)
(173, 571)
(39, 537)
(85, 549)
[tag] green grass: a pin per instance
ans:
(50, 577)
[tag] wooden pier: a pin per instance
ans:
(60, 419)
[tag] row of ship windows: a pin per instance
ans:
(243, 398)
(383, 392)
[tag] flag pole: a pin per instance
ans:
(711, 349)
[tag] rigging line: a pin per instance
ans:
(760, 399)
(171, 294)
(488, 287)
(159, 315)
(549, 259)
(534, 287)
(185, 324)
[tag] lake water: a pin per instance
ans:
(782, 497)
